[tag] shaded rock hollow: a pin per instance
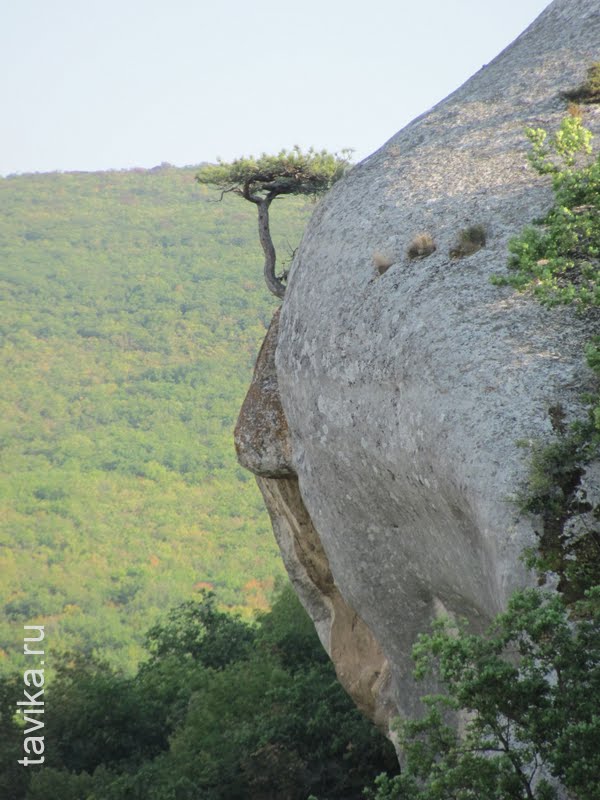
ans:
(390, 462)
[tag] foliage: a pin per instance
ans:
(528, 693)
(288, 635)
(569, 542)
(262, 180)
(559, 260)
(48, 783)
(559, 257)
(130, 318)
(289, 172)
(197, 630)
(571, 139)
(95, 710)
(269, 721)
(13, 777)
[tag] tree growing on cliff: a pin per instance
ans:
(261, 180)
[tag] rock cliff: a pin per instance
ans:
(385, 414)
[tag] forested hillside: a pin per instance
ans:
(132, 308)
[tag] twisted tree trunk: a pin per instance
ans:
(275, 284)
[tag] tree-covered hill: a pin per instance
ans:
(132, 308)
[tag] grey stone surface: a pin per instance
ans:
(263, 446)
(406, 393)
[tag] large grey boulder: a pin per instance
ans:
(406, 393)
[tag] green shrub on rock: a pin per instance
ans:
(558, 258)
(528, 693)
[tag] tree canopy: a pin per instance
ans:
(222, 710)
(261, 180)
(132, 309)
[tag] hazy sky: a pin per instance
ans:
(88, 85)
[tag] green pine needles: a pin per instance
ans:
(311, 172)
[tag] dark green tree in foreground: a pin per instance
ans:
(529, 695)
(220, 710)
(261, 180)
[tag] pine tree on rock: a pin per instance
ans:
(261, 180)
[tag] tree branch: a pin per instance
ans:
(226, 191)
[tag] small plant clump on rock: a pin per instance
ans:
(382, 262)
(589, 91)
(421, 246)
(470, 240)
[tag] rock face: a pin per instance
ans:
(263, 446)
(261, 434)
(405, 390)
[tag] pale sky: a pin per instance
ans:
(103, 84)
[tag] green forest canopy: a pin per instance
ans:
(219, 710)
(132, 309)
